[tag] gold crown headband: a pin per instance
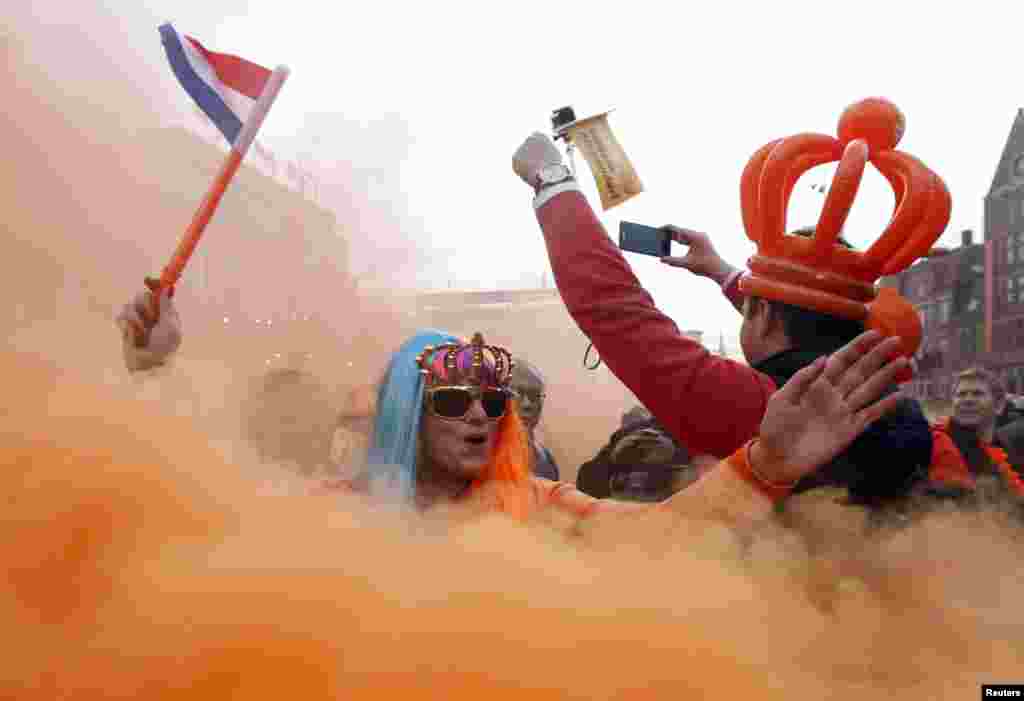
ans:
(500, 358)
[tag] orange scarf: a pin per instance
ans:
(956, 470)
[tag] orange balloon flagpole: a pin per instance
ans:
(173, 270)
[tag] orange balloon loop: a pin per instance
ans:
(790, 158)
(749, 183)
(818, 272)
(840, 197)
(892, 315)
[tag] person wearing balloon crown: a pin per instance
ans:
(802, 299)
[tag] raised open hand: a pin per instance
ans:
(825, 406)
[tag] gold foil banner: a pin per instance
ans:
(616, 178)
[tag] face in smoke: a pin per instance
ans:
(458, 437)
(975, 405)
(528, 386)
(288, 417)
(460, 448)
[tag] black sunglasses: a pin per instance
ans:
(455, 402)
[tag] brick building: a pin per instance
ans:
(1004, 239)
(971, 299)
(949, 291)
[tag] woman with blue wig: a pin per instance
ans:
(447, 428)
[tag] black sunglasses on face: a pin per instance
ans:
(455, 402)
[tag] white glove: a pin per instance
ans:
(536, 152)
(146, 342)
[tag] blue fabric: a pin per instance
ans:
(396, 428)
(208, 99)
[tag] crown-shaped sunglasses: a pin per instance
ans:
(817, 272)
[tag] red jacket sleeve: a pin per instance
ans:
(710, 404)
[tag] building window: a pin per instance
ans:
(1015, 248)
(1013, 378)
(927, 315)
(1011, 291)
(945, 308)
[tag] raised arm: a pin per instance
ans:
(710, 404)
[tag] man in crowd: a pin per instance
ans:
(528, 386)
(967, 458)
(640, 462)
(288, 417)
(712, 405)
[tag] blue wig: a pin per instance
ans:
(396, 428)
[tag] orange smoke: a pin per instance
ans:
(140, 561)
(139, 564)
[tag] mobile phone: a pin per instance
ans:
(647, 240)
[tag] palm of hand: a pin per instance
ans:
(808, 432)
(826, 405)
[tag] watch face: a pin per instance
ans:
(553, 173)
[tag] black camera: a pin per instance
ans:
(560, 118)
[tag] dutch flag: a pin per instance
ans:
(225, 87)
(236, 95)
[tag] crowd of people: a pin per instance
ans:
(818, 405)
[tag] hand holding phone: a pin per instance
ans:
(646, 240)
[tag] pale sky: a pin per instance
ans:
(427, 102)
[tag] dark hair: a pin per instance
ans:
(811, 330)
(808, 329)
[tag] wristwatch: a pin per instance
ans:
(552, 175)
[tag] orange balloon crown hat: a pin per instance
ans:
(817, 272)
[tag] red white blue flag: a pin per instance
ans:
(224, 86)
